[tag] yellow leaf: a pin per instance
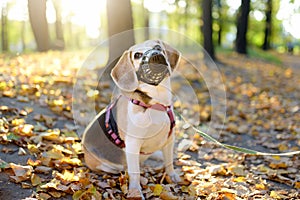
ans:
(260, 186)
(54, 154)
(71, 161)
(283, 147)
(17, 122)
(278, 165)
(240, 179)
(35, 180)
(297, 185)
(32, 148)
(227, 196)
(67, 176)
(52, 135)
(276, 157)
(33, 163)
(157, 190)
(275, 195)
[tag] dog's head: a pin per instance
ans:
(149, 62)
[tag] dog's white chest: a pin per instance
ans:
(151, 126)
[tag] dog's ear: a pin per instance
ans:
(124, 75)
(173, 54)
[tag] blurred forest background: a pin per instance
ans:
(218, 25)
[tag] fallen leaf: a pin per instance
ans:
(157, 189)
(237, 170)
(217, 170)
(43, 169)
(54, 154)
(24, 130)
(3, 164)
(21, 173)
(240, 179)
(167, 196)
(275, 195)
(35, 179)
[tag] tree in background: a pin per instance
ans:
(119, 17)
(4, 34)
(268, 26)
(60, 42)
(207, 27)
(39, 24)
(242, 27)
(220, 21)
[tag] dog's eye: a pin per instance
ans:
(138, 55)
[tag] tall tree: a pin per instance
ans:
(60, 42)
(207, 27)
(119, 17)
(39, 24)
(268, 25)
(4, 34)
(242, 27)
(220, 21)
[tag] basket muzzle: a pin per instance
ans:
(153, 68)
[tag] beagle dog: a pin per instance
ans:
(140, 121)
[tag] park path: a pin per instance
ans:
(292, 61)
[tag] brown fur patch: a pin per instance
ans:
(143, 96)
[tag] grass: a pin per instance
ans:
(253, 53)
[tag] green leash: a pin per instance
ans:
(235, 148)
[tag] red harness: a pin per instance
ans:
(111, 126)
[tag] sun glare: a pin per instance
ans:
(85, 13)
(289, 16)
(88, 13)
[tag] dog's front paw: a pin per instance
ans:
(174, 177)
(135, 194)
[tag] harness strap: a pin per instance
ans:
(159, 107)
(112, 128)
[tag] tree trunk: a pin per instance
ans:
(207, 27)
(60, 42)
(119, 17)
(39, 24)
(23, 31)
(4, 34)
(268, 26)
(220, 20)
(242, 27)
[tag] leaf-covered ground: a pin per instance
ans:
(41, 156)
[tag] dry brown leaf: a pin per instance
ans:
(35, 179)
(43, 169)
(167, 196)
(21, 173)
